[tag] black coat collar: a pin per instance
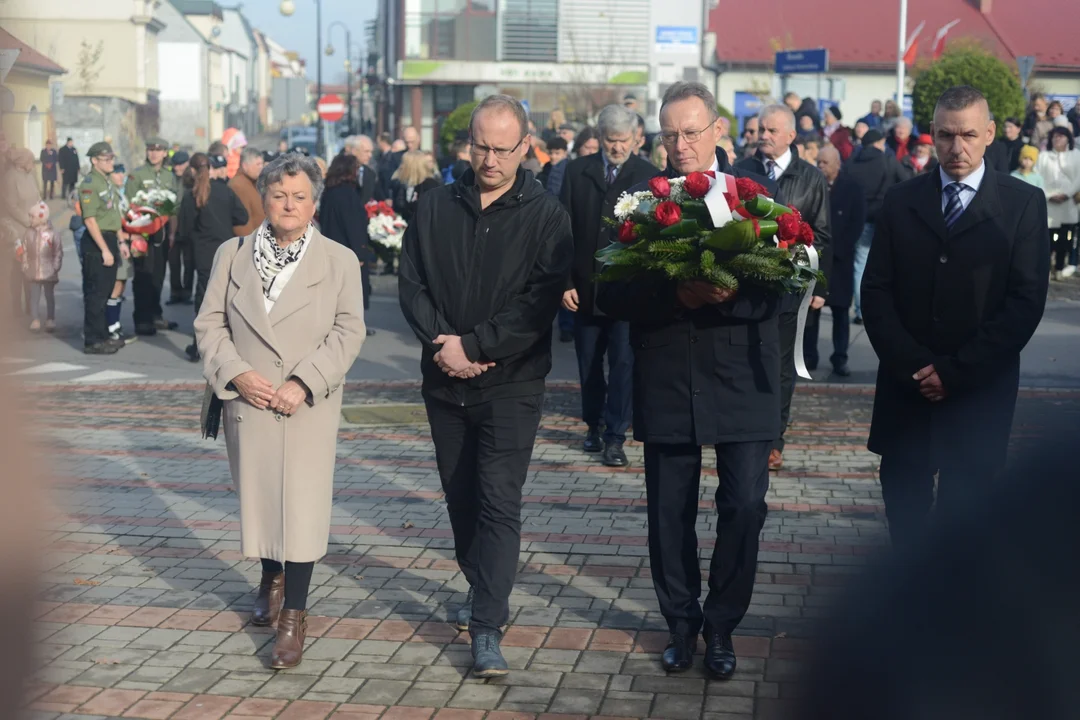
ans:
(926, 202)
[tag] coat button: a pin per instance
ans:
(239, 418)
(277, 417)
(943, 259)
(277, 363)
(693, 338)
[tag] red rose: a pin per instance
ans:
(372, 208)
(783, 245)
(668, 213)
(627, 234)
(696, 185)
(788, 226)
(748, 189)
(806, 233)
(660, 187)
(385, 209)
(732, 201)
(795, 212)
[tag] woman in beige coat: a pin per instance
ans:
(281, 323)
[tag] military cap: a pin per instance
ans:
(157, 142)
(100, 148)
(179, 158)
(119, 168)
(218, 161)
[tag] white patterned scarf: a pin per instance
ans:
(277, 264)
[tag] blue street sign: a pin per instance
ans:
(789, 62)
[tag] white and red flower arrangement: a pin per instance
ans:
(712, 227)
(149, 212)
(385, 227)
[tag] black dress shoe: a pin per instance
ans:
(593, 443)
(720, 657)
(145, 330)
(614, 455)
(370, 332)
(192, 353)
(679, 653)
(163, 324)
(857, 321)
(841, 371)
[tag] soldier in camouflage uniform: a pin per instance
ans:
(149, 275)
(104, 246)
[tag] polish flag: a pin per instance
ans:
(939, 39)
(912, 47)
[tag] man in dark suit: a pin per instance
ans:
(706, 372)
(590, 188)
(362, 148)
(954, 288)
(802, 186)
(847, 207)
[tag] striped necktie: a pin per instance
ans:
(772, 170)
(954, 207)
(612, 171)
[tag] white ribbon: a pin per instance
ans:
(804, 310)
(716, 202)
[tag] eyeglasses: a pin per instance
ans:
(481, 151)
(692, 136)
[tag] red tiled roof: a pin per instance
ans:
(749, 33)
(29, 58)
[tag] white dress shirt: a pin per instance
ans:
(968, 192)
(781, 162)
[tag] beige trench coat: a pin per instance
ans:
(283, 467)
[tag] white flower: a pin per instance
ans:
(626, 205)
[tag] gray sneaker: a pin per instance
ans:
(488, 660)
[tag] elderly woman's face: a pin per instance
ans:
(289, 204)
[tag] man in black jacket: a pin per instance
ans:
(706, 372)
(847, 208)
(367, 180)
(590, 189)
(876, 171)
(483, 269)
(802, 186)
(955, 287)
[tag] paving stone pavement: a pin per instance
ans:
(145, 604)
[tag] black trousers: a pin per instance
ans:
(181, 269)
(483, 453)
(149, 278)
(70, 181)
(841, 337)
(204, 252)
(365, 281)
(1061, 242)
(49, 186)
(789, 325)
(672, 482)
(98, 282)
(610, 400)
(907, 485)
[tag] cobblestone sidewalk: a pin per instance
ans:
(144, 610)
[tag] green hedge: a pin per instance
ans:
(969, 65)
(456, 122)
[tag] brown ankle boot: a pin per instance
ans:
(268, 602)
(291, 632)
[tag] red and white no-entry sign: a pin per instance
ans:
(331, 107)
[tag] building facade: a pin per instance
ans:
(27, 95)
(571, 55)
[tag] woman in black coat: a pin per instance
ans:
(343, 218)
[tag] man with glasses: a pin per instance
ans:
(590, 189)
(100, 201)
(150, 269)
(484, 265)
(706, 372)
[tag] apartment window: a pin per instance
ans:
(530, 30)
(450, 29)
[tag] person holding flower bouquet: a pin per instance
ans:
(706, 372)
(149, 269)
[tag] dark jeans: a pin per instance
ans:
(149, 278)
(50, 188)
(672, 482)
(907, 486)
(98, 282)
(483, 454)
(181, 269)
(566, 320)
(789, 322)
(841, 335)
(365, 282)
(611, 400)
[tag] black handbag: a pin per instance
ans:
(212, 405)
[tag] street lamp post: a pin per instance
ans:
(287, 8)
(348, 67)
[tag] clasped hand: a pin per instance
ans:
(258, 391)
(930, 385)
(693, 294)
(453, 361)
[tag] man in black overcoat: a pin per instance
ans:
(799, 185)
(706, 372)
(954, 288)
(362, 148)
(590, 188)
(69, 166)
(847, 213)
